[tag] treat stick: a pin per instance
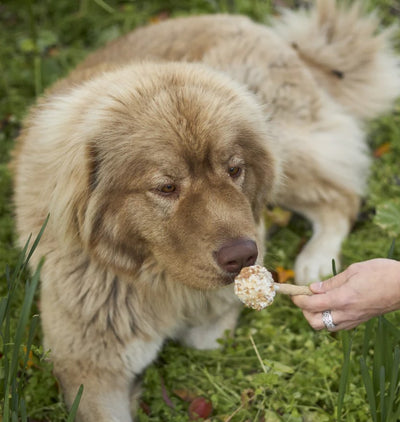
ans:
(256, 288)
(292, 289)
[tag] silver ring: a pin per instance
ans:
(327, 320)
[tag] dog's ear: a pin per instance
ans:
(70, 192)
(263, 171)
(107, 224)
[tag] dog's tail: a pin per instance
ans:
(346, 53)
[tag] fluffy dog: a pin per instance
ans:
(155, 174)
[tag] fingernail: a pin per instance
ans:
(316, 287)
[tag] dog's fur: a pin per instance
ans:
(132, 157)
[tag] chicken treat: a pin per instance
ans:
(256, 288)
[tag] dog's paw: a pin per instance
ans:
(314, 265)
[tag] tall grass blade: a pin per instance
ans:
(37, 240)
(23, 319)
(369, 325)
(75, 404)
(23, 414)
(391, 249)
(14, 406)
(378, 355)
(394, 383)
(345, 373)
(369, 389)
(32, 329)
(382, 393)
(391, 330)
(19, 265)
(3, 308)
(334, 272)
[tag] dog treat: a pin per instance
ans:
(256, 288)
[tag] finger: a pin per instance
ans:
(318, 303)
(341, 320)
(330, 283)
(316, 322)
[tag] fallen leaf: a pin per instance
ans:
(145, 407)
(284, 274)
(388, 217)
(277, 216)
(383, 149)
(29, 362)
(185, 395)
(247, 396)
(200, 408)
(159, 18)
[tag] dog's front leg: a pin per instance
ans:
(110, 388)
(218, 319)
(106, 395)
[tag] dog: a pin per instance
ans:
(155, 158)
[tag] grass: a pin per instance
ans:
(275, 368)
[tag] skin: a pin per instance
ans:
(364, 290)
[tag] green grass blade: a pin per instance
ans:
(20, 264)
(3, 308)
(6, 362)
(391, 330)
(394, 382)
(32, 329)
(369, 389)
(369, 325)
(383, 408)
(37, 240)
(379, 346)
(75, 404)
(391, 249)
(23, 414)
(334, 272)
(345, 373)
(23, 319)
(105, 6)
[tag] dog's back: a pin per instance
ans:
(347, 54)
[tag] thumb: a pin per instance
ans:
(329, 284)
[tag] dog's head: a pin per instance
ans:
(167, 162)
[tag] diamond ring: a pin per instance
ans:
(327, 320)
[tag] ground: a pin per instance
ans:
(275, 368)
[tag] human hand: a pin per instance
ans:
(364, 290)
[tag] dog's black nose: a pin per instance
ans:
(236, 254)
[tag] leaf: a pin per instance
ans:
(145, 408)
(75, 404)
(247, 396)
(277, 216)
(284, 274)
(388, 216)
(185, 395)
(345, 373)
(200, 408)
(162, 16)
(369, 389)
(382, 149)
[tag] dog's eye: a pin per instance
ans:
(234, 172)
(168, 189)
